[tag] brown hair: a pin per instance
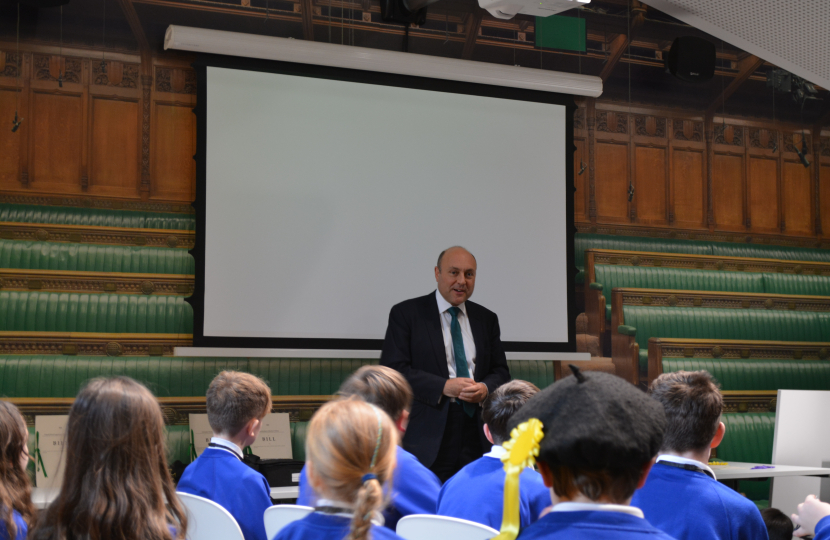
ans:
(617, 485)
(502, 403)
(779, 526)
(116, 481)
(343, 439)
(693, 406)
(235, 398)
(380, 386)
(15, 488)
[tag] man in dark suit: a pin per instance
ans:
(449, 349)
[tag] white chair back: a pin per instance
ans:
(206, 520)
(280, 515)
(428, 527)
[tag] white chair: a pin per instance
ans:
(280, 515)
(206, 520)
(428, 527)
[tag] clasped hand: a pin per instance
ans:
(465, 389)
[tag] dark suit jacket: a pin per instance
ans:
(414, 346)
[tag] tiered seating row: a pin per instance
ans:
(98, 217)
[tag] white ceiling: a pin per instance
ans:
(792, 35)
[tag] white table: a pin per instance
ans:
(733, 471)
(287, 492)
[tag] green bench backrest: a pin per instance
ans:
(759, 251)
(749, 439)
(99, 217)
(62, 376)
(78, 312)
(797, 284)
(94, 258)
(758, 374)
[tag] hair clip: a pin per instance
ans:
(580, 378)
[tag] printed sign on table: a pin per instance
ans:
(50, 434)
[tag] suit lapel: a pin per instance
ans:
(436, 336)
(478, 337)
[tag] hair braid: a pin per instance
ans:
(369, 498)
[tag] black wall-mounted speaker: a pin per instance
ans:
(691, 59)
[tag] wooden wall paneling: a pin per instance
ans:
(174, 144)
(25, 109)
(728, 190)
(590, 124)
(797, 201)
(9, 142)
(613, 167)
(87, 131)
(708, 133)
(56, 122)
(580, 180)
(762, 185)
(688, 187)
(115, 146)
(650, 178)
(824, 193)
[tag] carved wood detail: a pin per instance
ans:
(128, 73)
(12, 65)
(146, 87)
(791, 139)
(175, 80)
(722, 300)
(688, 130)
(579, 118)
(80, 343)
(72, 68)
(729, 134)
(762, 138)
(650, 126)
(117, 282)
(97, 235)
(612, 122)
(97, 203)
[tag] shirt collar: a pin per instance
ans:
(686, 461)
(347, 510)
(597, 507)
(496, 452)
(443, 305)
(227, 445)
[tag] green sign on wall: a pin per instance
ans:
(559, 32)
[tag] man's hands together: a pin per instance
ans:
(465, 389)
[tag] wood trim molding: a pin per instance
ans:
(88, 234)
(702, 235)
(718, 300)
(756, 401)
(174, 409)
(92, 344)
(104, 204)
(108, 282)
(729, 349)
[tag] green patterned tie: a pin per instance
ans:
(461, 369)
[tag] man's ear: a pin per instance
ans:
(437, 271)
(718, 438)
(644, 472)
(488, 434)
(402, 421)
(547, 476)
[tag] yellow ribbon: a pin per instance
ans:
(522, 450)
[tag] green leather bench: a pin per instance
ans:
(111, 313)
(94, 258)
(99, 217)
(47, 376)
(749, 438)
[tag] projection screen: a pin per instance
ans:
(324, 197)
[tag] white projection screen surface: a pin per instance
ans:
(328, 201)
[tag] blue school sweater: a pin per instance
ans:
(220, 476)
(317, 526)
(414, 490)
(592, 525)
(476, 493)
(22, 529)
(823, 529)
(691, 505)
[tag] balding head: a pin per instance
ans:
(455, 274)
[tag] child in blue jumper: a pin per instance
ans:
(350, 458)
(682, 496)
(476, 492)
(236, 404)
(414, 487)
(595, 437)
(16, 509)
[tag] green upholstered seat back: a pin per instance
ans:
(749, 439)
(713, 323)
(797, 284)
(174, 376)
(758, 374)
(611, 276)
(760, 251)
(94, 258)
(81, 312)
(98, 217)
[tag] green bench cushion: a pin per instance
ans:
(759, 251)
(98, 217)
(749, 439)
(758, 374)
(172, 376)
(76, 312)
(797, 284)
(94, 258)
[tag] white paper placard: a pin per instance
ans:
(800, 439)
(50, 434)
(274, 439)
(202, 432)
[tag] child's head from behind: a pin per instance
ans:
(601, 435)
(693, 406)
(116, 482)
(779, 526)
(348, 439)
(15, 488)
(383, 387)
(237, 401)
(502, 404)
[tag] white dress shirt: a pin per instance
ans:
(466, 335)
(597, 507)
(686, 461)
(224, 444)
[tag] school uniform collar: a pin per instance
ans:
(497, 451)
(690, 463)
(226, 445)
(343, 509)
(597, 507)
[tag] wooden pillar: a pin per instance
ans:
(25, 112)
(816, 134)
(590, 122)
(146, 88)
(709, 136)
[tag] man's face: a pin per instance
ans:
(456, 277)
